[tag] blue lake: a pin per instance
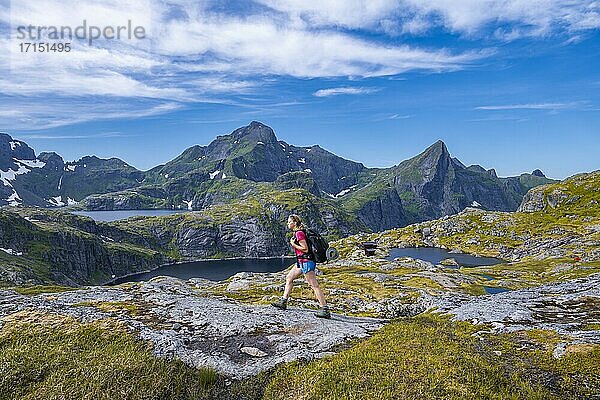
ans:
(107, 216)
(435, 255)
(494, 290)
(215, 270)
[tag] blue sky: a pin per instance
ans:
(507, 84)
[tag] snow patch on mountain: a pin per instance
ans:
(11, 252)
(14, 144)
(31, 163)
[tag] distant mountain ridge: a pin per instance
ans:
(251, 161)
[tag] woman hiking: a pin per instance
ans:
(305, 264)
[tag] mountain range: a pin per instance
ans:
(251, 162)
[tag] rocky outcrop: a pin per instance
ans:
(142, 198)
(539, 198)
(11, 149)
(241, 238)
(383, 212)
(70, 250)
(565, 307)
(236, 340)
(534, 200)
(565, 195)
(299, 180)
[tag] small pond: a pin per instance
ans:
(215, 270)
(107, 216)
(435, 255)
(494, 290)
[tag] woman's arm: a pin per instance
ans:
(302, 245)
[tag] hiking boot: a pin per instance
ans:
(281, 303)
(323, 313)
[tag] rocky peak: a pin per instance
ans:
(11, 148)
(435, 158)
(52, 160)
(539, 173)
(50, 156)
(476, 168)
(102, 163)
(255, 132)
(439, 147)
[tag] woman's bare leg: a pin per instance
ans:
(294, 273)
(311, 279)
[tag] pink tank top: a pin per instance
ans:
(300, 236)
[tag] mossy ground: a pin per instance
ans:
(39, 289)
(424, 357)
(54, 357)
(432, 357)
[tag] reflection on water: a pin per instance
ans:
(215, 270)
(435, 255)
(494, 290)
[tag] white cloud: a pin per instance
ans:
(198, 56)
(260, 46)
(399, 116)
(343, 90)
(195, 52)
(350, 14)
(29, 114)
(90, 136)
(535, 17)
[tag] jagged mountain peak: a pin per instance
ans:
(5, 138)
(438, 146)
(255, 132)
(432, 156)
(51, 159)
(434, 153)
(11, 149)
(539, 173)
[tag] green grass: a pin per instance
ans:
(530, 272)
(39, 289)
(52, 357)
(431, 357)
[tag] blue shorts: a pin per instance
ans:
(307, 266)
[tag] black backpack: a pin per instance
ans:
(317, 246)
